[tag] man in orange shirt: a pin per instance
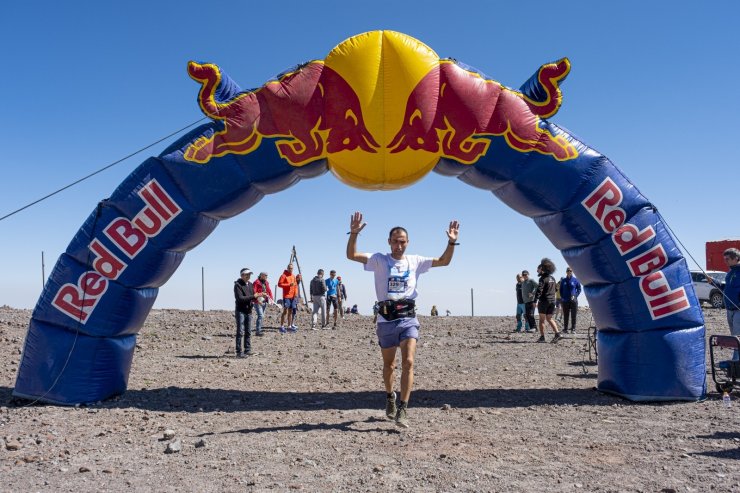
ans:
(289, 284)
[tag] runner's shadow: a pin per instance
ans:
(306, 427)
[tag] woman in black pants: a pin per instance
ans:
(545, 297)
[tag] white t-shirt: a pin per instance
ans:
(396, 279)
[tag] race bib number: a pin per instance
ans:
(397, 284)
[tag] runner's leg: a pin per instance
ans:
(389, 367)
(408, 351)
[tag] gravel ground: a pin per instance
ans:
(491, 411)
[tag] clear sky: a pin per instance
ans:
(85, 83)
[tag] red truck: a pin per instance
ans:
(715, 261)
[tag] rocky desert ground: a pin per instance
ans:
(491, 411)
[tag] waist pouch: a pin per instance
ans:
(395, 309)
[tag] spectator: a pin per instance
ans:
(434, 311)
(354, 310)
(243, 297)
(732, 292)
(395, 285)
(545, 297)
(570, 289)
(520, 306)
(341, 296)
(375, 312)
(529, 290)
(298, 300)
(448, 313)
(558, 312)
(317, 289)
(289, 285)
(263, 297)
(331, 296)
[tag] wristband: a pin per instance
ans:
(450, 243)
(351, 233)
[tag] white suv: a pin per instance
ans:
(711, 292)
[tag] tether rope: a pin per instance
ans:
(101, 169)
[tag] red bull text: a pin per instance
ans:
(603, 204)
(130, 237)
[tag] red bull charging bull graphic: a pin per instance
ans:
(452, 110)
(380, 112)
(321, 116)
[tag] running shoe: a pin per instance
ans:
(390, 406)
(557, 337)
(282, 329)
(402, 420)
(541, 339)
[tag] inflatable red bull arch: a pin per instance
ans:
(380, 112)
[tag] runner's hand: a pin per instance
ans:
(453, 231)
(355, 223)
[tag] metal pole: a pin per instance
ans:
(203, 288)
(472, 310)
(43, 275)
(294, 255)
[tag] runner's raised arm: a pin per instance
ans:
(355, 226)
(452, 233)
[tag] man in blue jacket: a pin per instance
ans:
(570, 289)
(732, 291)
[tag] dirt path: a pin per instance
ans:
(491, 411)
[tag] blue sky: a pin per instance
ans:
(86, 83)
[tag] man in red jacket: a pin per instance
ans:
(289, 285)
(263, 297)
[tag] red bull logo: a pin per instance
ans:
(321, 116)
(451, 110)
(382, 109)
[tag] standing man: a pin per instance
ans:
(331, 296)
(317, 289)
(570, 289)
(289, 285)
(732, 292)
(520, 306)
(243, 297)
(341, 295)
(263, 297)
(529, 289)
(395, 286)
